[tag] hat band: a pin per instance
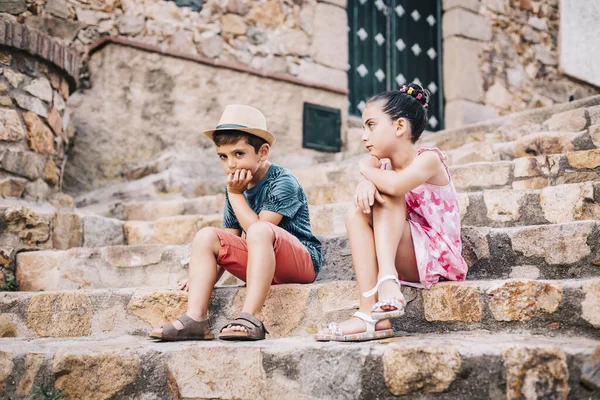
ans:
(230, 126)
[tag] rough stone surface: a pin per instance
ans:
(567, 203)
(594, 132)
(486, 175)
(523, 300)
(11, 128)
(324, 75)
(6, 368)
(130, 24)
(452, 303)
(460, 22)
(100, 231)
(536, 373)
(503, 205)
(13, 77)
(66, 231)
(590, 373)
(472, 5)
(40, 137)
(40, 88)
(33, 362)
(569, 121)
(58, 314)
(30, 227)
(157, 308)
(463, 112)
(329, 47)
(32, 104)
(94, 374)
(461, 62)
(584, 159)
(589, 307)
(416, 369)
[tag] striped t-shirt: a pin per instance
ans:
(280, 192)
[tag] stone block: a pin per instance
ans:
(11, 128)
(318, 73)
(39, 138)
(6, 367)
(41, 89)
(130, 25)
(460, 22)
(462, 77)
(32, 104)
(60, 314)
(14, 7)
(543, 143)
(452, 302)
(590, 372)
(589, 307)
(157, 307)
(100, 231)
(55, 121)
(462, 112)
(14, 78)
(33, 362)
(23, 163)
(234, 24)
(482, 175)
(503, 205)
(568, 121)
(472, 5)
(566, 203)
(413, 369)
(523, 300)
(12, 188)
(584, 159)
(531, 184)
(268, 13)
(66, 231)
(31, 228)
(330, 36)
(594, 133)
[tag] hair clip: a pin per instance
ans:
(425, 105)
(403, 89)
(410, 91)
(419, 96)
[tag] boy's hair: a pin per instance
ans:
(233, 136)
(410, 102)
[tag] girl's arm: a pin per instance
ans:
(423, 168)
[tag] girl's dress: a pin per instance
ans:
(434, 218)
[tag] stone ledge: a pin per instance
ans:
(42, 45)
(208, 61)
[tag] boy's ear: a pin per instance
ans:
(401, 126)
(264, 151)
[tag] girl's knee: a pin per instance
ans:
(260, 231)
(353, 216)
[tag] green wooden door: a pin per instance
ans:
(392, 43)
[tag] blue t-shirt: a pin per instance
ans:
(280, 192)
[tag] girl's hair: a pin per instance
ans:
(409, 102)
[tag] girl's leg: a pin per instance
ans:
(362, 246)
(203, 274)
(393, 244)
(259, 273)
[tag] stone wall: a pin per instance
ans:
(501, 56)
(303, 38)
(34, 126)
(145, 112)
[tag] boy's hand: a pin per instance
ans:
(369, 162)
(238, 181)
(365, 195)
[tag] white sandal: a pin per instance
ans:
(335, 334)
(377, 312)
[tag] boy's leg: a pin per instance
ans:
(393, 244)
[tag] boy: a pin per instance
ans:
(265, 201)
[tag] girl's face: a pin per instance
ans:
(381, 134)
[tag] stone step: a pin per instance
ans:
(495, 208)
(460, 366)
(534, 306)
(556, 251)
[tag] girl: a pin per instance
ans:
(405, 225)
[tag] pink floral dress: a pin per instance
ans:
(434, 217)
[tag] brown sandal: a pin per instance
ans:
(255, 329)
(192, 330)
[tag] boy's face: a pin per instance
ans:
(241, 155)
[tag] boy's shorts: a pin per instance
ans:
(293, 263)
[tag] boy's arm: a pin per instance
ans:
(246, 216)
(423, 168)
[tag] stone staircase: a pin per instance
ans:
(524, 325)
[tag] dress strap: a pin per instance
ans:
(443, 158)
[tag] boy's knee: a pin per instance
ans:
(261, 231)
(206, 236)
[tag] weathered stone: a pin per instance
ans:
(503, 205)
(234, 24)
(545, 56)
(524, 272)
(94, 374)
(23, 163)
(66, 231)
(5, 58)
(269, 14)
(498, 6)
(569, 121)
(157, 308)
(55, 27)
(290, 42)
(11, 129)
(461, 66)
(531, 35)
(40, 88)
(14, 7)
(6, 368)
(6, 101)
(486, 175)
(463, 112)
(130, 24)
(33, 362)
(124, 256)
(37, 190)
(14, 78)
(567, 203)
(541, 24)
(497, 96)
(412, 369)
(40, 137)
(317, 73)
(475, 244)
(589, 307)
(452, 302)
(536, 373)
(55, 121)
(100, 231)
(523, 300)
(60, 314)
(584, 159)
(61, 201)
(557, 244)
(590, 372)
(210, 44)
(460, 22)
(283, 310)
(594, 133)
(536, 166)
(50, 174)
(59, 102)
(225, 373)
(7, 327)
(91, 17)
(31, 104)
(30, 227)
(543, 143)
(12, 188)
(239, 7)
(58, 8)
(472, 5)
(531, 184)
(329, 47)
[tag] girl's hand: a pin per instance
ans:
(369, 162)
(183, 285)
(365, 195)
(238, 181)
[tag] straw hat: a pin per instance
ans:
(243, 118)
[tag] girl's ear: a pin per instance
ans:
(401, 126)
(263, 152)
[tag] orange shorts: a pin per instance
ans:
(293, 263)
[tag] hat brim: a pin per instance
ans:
(261, 133)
